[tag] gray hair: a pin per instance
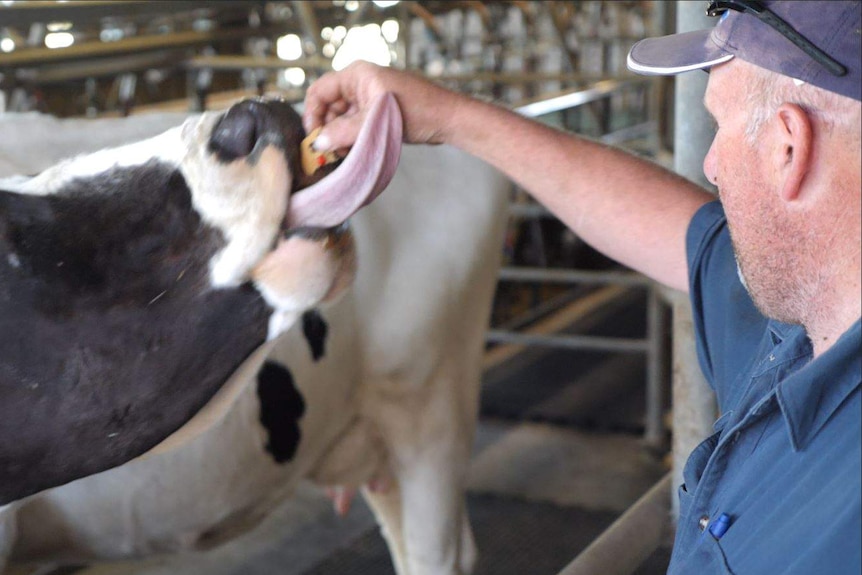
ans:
(768, 90)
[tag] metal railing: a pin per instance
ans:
(653, 344)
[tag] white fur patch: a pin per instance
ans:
(244, 199)
(280, 321)
(166, 147)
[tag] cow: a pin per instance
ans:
(379, 385)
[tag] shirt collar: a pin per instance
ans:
(809, 396)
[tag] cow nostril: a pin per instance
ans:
(235, 135)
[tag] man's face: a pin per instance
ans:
(742, 170)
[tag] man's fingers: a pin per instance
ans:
(338, 102)
(340, 132)
(338, 108)
(332, 91)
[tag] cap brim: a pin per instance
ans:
(677, 53)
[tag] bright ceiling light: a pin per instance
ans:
(389, 29)
(59, 26)
(338, 34)
(289, 47)
(7, 45)
(294, 76)
(385, 3)
(59, 40)
(362, 43)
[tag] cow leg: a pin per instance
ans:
(8, 533)
(387, 509)
(428, 432)
(468, 553)
(433, 517)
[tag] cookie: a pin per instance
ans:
(313, 160)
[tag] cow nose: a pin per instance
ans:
(235, 134)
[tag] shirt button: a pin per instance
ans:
(703, 522)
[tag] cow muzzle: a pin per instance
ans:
(285, 231)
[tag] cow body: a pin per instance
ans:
(382, 383)
(131, 287)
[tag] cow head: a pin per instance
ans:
(134, 281)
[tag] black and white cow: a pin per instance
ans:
(382, 382)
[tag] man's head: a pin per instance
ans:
(785, 160)
(786, 155)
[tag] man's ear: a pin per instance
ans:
(793, 153)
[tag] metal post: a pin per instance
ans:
(655, 382)
(693, 402)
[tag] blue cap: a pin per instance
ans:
(834, 27)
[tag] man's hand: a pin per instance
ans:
(339, 101)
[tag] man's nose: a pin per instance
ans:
(709, 167)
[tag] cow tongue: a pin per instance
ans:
(364, 173)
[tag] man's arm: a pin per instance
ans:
(628, 208)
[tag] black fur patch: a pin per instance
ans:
(281, 407)
(315, 329)
(111, 337)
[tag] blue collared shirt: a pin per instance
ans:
(784, 466)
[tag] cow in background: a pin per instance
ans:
(382, 384)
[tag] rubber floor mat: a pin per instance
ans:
(515, 537)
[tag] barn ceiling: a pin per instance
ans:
(96, 56)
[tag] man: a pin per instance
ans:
(773, 270)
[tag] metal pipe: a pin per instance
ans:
(646, 129)
(97, 68)
(26, 12)
(575, 311)
(656, 384)
(38, 56)
(238, 63)
(539, 311)
(597, 91)
(589, 342)
(629, 540)
(573, 276)
(527, 77)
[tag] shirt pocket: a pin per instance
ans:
(685, 498)
(707, 558)
(696, 463)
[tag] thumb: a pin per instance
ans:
(340, 133)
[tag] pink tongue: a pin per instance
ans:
(364, 173)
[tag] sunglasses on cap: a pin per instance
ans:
(770, 18)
